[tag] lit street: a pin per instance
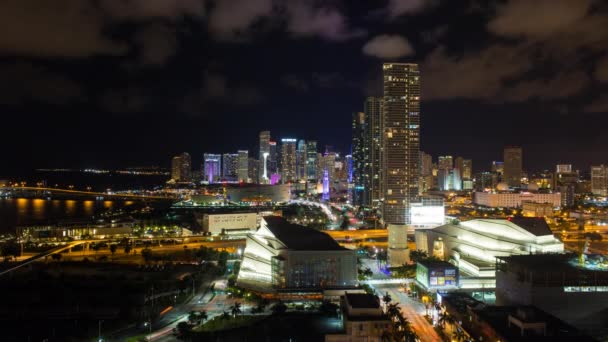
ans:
(413, 310)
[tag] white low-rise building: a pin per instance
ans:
(474, 245)
(515, 199)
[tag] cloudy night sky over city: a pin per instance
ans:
(118, 83)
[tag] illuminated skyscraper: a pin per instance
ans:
(512, 166)
(312, 161)
(273, 158)
(373, 146)
(288, 160)
(445, 163)
(212, 166)
(599, 180)
(254, 170)
(563, 168)
(326, 188)
(243, 166)
(360, 161)
(264, 148)
(264, 143)
(401, 145)
(181, 168)
(230, 163)
(301, 160)
(426, 173)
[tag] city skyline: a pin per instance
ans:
(172, 79)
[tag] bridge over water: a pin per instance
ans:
(49, 192)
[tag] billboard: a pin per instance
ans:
(427, 215)
(215, 223)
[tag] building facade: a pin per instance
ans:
(243, 166)
(599, 180)
(282, 255)
(212, 167)
(360, 161)
(373, 110)
(513, 166)
(401, 145)
(515, 199)
(230, 163)
(181, 168)
(311, 160)
(575, 292)
(474, 245)
(288, 160)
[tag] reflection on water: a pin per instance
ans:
(24, 211)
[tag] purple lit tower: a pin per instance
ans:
(212, 167)
(325, 196)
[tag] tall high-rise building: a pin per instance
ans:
(254, 170)
(373, 145)
(401, 142)
(264, 161)
(243, 166)
(467, 169)
(230, 163)
(273, 158)
(498, 167)
(445, 163)
(181, 168)
(311, 160)
(328, 162)
(212, 167)
(512, 166)
(599, 180)
(426, 179)
(301, 160)
(288, 160)
(465, 172)
(360, 160)
(563, 168)
(426, 164)
(264, 144)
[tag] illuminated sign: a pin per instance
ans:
(231, 221)
(427, 215)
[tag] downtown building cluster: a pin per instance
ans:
(283, 161)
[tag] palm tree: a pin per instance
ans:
(236, 309)
(193, 317)
(387, 298)
(459, 335)
(393, 310)
(225, 315)
(203, 315)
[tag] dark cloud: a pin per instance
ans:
(400, 7)
(69, 28)
(388, 46)
(601, 69)
(24, 83)
(125, 100)
(218, 93)
(157, 43)
(560, 86)
(294, 82)
(539, 18)
(556, 34)
(149, 9)
(305, 19)
(600, 105)
(233, 20)
(319, 80)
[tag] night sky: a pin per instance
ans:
(122, 83)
